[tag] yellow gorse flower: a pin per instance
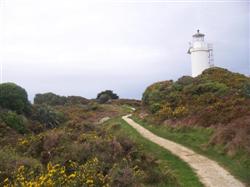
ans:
(56, 175)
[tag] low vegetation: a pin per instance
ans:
(74, 141)
(65, 144)
(177, 172)
(53, 99)
(210, 113)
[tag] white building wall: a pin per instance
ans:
(200, 60)
(201, 54)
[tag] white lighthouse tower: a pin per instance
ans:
(201, 54)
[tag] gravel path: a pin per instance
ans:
(208, 171)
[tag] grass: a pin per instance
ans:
(197, 138)
(184, 174)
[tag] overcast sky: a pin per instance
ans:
(81, 47)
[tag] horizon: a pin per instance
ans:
(93, 98)
(83, 48)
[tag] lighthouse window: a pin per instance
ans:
(198, 38)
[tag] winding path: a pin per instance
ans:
(208, 171)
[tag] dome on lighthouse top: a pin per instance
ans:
(198, 34)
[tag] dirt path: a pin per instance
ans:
(208, 171)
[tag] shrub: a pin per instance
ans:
(207, 99)
(155, 107)
(109, 93)
(72, 100)
(246, 90)
(165, 112)
(93, 106)
(10, 160)
(180, 111)
(174, 98)
(47, 115)
(103, 98)
(177, 87)
(232, 80)
(49, 99)
(185, 80)
(53, 99)
(14, 97)
(213, 87)
(71, 174)
(211, 98)
(15, 121)
(123, 175)
(156, 93)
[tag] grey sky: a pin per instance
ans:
(81, 47)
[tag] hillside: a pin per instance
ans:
(67, 141)
(74, 141)
(210, 113)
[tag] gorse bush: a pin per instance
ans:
(81, 152)
(217, 99)
(167, 112)
(11, 159)
(156, 93)
(211, 87)
(61, 141)
(14, 97)
(15, 121)
(211, 98)
(234, 81)
(185, 80)
(71, 174)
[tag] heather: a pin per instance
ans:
(63, 141)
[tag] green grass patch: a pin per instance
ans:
(197, 138)
(184, 174)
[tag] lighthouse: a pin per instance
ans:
(201, 54)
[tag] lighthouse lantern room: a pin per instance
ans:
(201, 54)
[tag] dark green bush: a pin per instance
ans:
(185, 80)
(246, 90)
(48, 116)
(14, 97)
(49, 99)
(156, 92)
(155, 107)
(103, 98)
(174, 98)
(109, 93)
(207, 87)
(177, 87)
(15, 121)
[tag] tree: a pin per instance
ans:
(107, 93)
(14, 97)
